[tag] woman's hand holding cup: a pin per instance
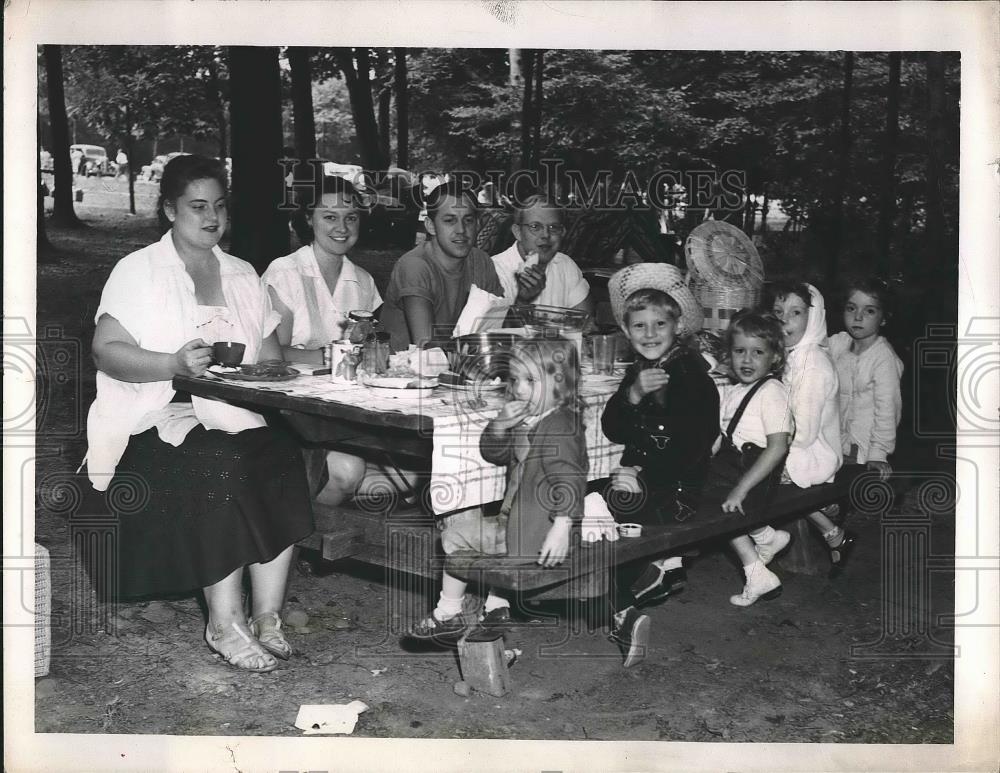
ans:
(193, 358)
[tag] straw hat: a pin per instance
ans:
(655, 276)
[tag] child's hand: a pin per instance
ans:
(734, 502)
(884, 469)
(646, 382)
(626, 479)
(556, 546)
(513, 412)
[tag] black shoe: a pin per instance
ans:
(439, 630)
(496, 618)
(840, 554)
(656, 584)
(633, 637)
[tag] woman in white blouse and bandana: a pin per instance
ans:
(314, 289)
(199, 490)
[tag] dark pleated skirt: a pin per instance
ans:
(183, 518)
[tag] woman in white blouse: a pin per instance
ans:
(314, 289)
(200, 490)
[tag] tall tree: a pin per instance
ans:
(260, 226)
(536, 116)
(383, 84)
(356, 67)
(63, 213)
(527, 109)
(218, 100)
(936, 138)
(299, 58)
(843, 170)
(887, 199)
(402, 109)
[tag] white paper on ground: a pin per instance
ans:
(329, 719)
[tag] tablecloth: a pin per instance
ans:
(460, 477)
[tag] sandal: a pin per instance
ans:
(238, 648)
(267, 629)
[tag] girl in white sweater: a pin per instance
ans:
(815, 453)
(869, 373)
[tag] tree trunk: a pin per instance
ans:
(260, 226)
(384, 103)
(130, 152)
(362, 106)
(765, 204)
(516, 62)
(215, 88)
(302, 110)
(843, 168)
(887, 205)
(62, 211)
(536, 138)
(935, 166)
(526, 109)
(402, 110)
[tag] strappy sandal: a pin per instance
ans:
(240, 649)
(267, 629)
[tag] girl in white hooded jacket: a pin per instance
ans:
(815, 453)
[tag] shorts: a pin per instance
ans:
(470, 531)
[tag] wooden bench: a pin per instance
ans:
(587, 567)
(407, 542)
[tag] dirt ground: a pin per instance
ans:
(816, 664)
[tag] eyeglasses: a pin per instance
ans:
(555, 229)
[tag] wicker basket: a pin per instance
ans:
(721, 303)
(726, 273)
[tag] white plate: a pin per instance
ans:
(484, 387)
(400, 394)
(400, 382)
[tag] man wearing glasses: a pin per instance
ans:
(533, 270)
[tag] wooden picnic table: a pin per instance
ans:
(437, 434)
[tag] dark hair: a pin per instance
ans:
(179, 173)
(327, 184)
(874, 286)
(557, 358)
(435, 199)
(781, 290)
(757, 325)
(536, 200)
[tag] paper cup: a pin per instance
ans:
(630, 529)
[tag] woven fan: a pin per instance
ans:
(723, 256)
(726, 273)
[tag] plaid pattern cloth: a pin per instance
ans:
(460, 477)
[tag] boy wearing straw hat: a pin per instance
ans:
(666, 414)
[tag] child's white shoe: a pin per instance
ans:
(768, 550)
(761, 583)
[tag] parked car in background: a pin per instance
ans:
(95, 159)
(153, 171)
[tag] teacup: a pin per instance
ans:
(228, 353)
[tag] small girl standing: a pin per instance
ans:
(869, 373)
(539, 436)
(814, 456)
(756, 422)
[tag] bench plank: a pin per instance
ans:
(708, 523)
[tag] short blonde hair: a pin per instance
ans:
(555, 357)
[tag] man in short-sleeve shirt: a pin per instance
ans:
(430, 284)
(532, 269)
